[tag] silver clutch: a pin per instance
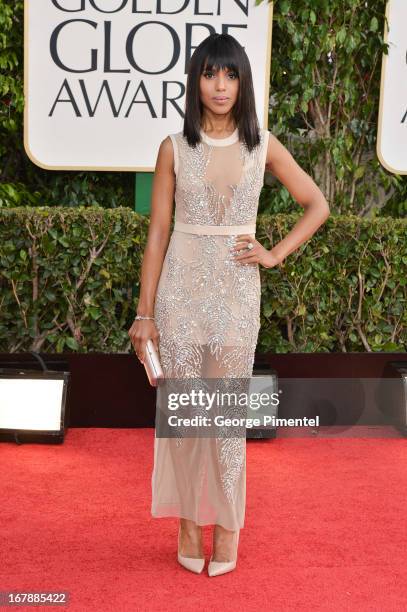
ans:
(152, 364)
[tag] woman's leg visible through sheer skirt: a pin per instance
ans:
(228, 454)
(210, 473)
(203, 479)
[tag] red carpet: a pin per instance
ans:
(325, 527)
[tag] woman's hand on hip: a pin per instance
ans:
(252, 255)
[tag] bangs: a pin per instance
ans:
(220, 57)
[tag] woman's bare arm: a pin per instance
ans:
(159, 229)
(162, 199)
(304, 190)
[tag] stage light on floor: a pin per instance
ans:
(32, 405)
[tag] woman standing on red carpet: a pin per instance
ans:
(200, 286)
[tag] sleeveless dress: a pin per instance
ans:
(207, 313)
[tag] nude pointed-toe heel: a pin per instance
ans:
(193, 564)
(216, 568)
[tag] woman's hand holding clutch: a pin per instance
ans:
(144, 337)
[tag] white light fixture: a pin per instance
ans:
(32, 405)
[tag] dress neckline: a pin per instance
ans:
(220, 142)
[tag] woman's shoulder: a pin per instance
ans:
(173, 141)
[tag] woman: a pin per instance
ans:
(200, 287)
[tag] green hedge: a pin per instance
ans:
(69, 281)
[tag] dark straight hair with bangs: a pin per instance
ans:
(221, 51)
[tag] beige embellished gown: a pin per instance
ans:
(207, 313)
